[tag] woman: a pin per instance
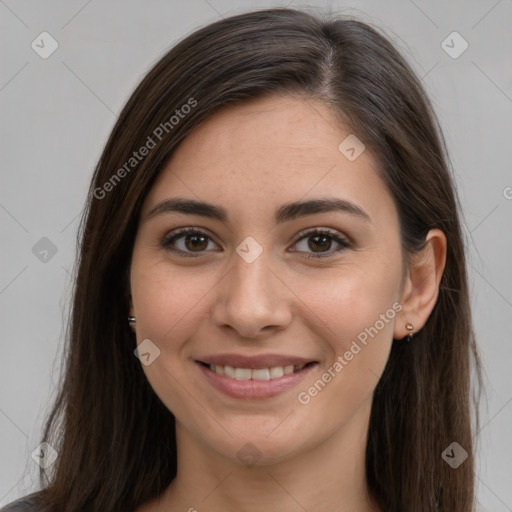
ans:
(271, 309)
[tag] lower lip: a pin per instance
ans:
(254, 389)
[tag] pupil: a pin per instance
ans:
(325, 242)
(192, 242)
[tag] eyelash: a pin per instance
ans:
(171, 238)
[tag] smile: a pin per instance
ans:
(273, 372)
(254, 378)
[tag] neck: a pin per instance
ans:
(330, 476)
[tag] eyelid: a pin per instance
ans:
(180, 232)
(322, 230)
(342, 240)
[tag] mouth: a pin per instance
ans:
(254, 378)
(265, 373)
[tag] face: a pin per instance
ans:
(270, 294)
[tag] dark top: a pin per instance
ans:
(29, 503)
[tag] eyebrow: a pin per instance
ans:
(284, 213)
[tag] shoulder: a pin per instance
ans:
(29, 503)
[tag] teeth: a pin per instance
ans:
(274, 372)
(277, 371)
(242, 374)
(229, 371)
(260, 374)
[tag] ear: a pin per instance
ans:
(421, 287)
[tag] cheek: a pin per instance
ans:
(351, 298)
(168, 305)
(167, 301)
(353, 312)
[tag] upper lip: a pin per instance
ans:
(252, 362)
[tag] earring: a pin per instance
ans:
(409, 327)
(131, 319)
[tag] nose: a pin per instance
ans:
(253, 299)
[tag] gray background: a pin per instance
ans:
(56, 114)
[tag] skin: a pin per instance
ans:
(251, 159)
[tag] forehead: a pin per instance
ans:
(269, 151)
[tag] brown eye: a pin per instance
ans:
(196, 242)
(320, 242)
(187, 241)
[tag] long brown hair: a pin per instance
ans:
(114, 437)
